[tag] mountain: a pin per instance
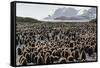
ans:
(69, 18)
(67, 12)
(90, 14)
(72, 14)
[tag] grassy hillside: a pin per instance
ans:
(93, 21)
(26, 19)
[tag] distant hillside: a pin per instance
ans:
(93, 21)
(67, 18)
(26, 19)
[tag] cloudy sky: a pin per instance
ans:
(40, 11)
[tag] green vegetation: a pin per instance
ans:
(26, 19)
(93, 21)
